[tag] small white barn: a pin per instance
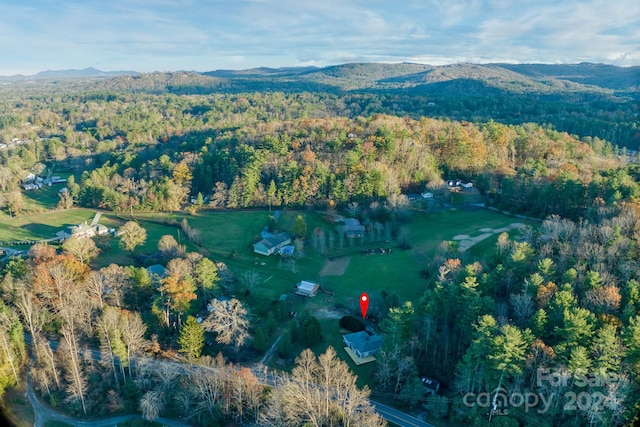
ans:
(307, 289)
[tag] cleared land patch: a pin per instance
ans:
(467, 241)
(335, 267)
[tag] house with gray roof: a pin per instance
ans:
(363, 343)
(85, 229)
(272, 244)
(306, 288)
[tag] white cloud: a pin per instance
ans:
(207, 34)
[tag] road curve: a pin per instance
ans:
(44, 414)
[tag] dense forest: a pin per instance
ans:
(553, 312)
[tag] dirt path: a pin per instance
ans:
(265, 359)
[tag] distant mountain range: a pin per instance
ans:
(86, 73)
(463, 77)
(538, 78)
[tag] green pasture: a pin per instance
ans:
(41, 199)
(229, 236)
(45, 225)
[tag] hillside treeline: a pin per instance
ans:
(151, 152)
(583, 99)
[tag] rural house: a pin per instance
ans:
(84, 229)
(353, 228)
(363, 343)
(271, 244)
(307, 289)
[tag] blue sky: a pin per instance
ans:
(203, 35)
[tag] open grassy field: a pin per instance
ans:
(45, 225)
(229, 236)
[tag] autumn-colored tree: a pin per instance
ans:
(179, 292)
(56, 278)
(182, 175)
(41, 252)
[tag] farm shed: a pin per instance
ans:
(307, 289)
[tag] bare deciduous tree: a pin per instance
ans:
(76, 378)
(168, 246)
(228, 319)
(320, 392)
(152, 404)
(250, 279)
(133, 329)
(47, 359)
(97, 288)
(180, 267)
(132, 235)
(522, 306)
(116, 281)
(33, 314)
(109, 335)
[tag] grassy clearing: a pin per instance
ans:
(229, 237)
(45, 198)
(44, 225)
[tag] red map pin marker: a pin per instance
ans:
(364, 304)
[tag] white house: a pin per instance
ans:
(85, 229)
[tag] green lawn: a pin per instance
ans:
(45, 198)
(44, 225)
(229, 236)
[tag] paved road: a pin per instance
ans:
(398, 417)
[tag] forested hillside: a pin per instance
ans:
(552, 313)
(584, 99)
